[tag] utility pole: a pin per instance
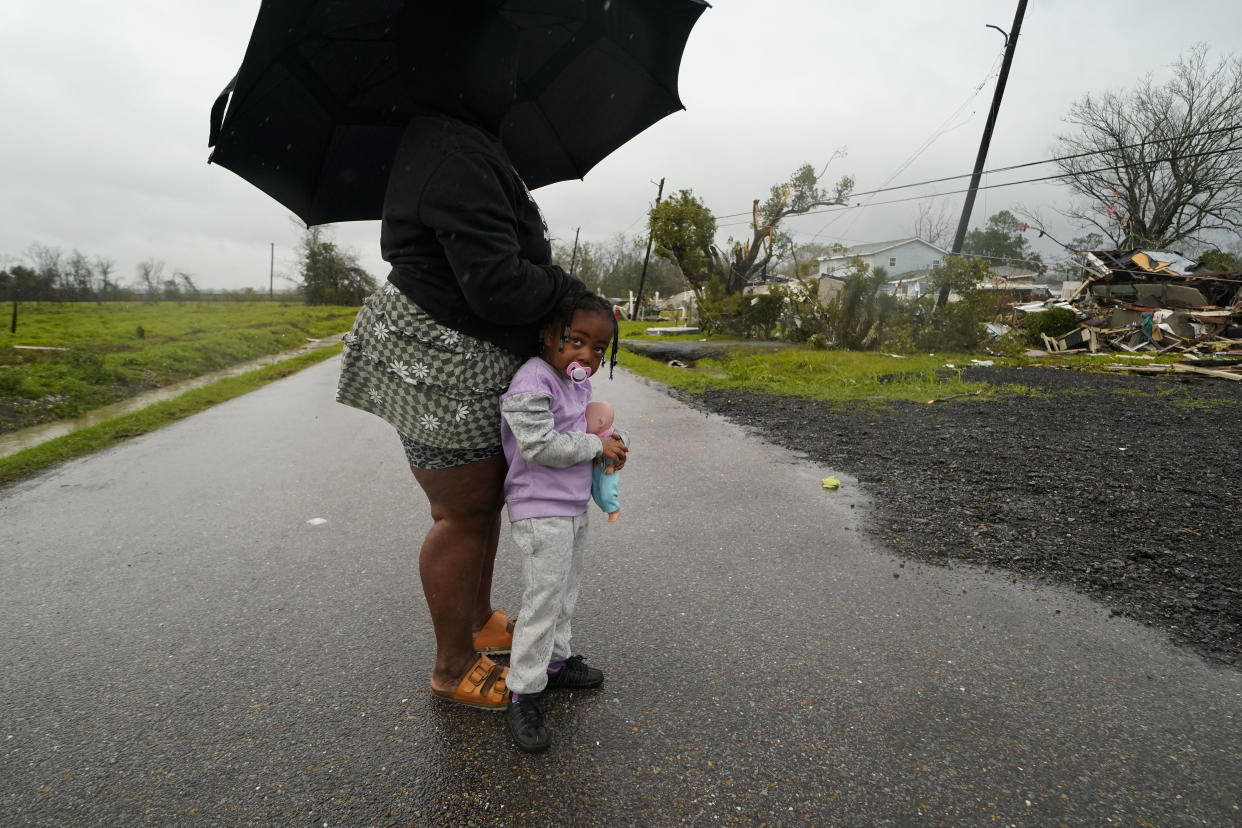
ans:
(271, 274)
(1011, 44)
(642, 280)
(573, 260)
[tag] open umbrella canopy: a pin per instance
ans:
(317, 110)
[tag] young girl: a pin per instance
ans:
(547, 489)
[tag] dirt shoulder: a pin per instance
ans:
(1126, 488)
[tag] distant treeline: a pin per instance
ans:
(42, 293)
(51, 275)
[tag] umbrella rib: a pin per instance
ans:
(342, 35)
(578, 44)
(338, 109)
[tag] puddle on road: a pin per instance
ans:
(33, 436)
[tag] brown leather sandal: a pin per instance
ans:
(496, 635)
(482, 686)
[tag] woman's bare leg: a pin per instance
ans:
(483, 602)
(457, 556)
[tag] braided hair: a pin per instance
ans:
(562, 316)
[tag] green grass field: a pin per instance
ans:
(114, 351)
(838, 376)
(844, 376)
(798, 371)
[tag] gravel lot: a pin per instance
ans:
(1128, 488)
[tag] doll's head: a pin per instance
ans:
(599, 418)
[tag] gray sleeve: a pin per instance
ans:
(530, 419)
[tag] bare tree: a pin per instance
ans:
(151, 277)
(47, 263)
(934, 225)
(586, 260)
(1161, 163)
(79, 275)
(621, 268)
(103, 269)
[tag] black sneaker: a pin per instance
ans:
(525, 720)
(575, 675)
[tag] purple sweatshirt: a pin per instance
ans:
(543, 432)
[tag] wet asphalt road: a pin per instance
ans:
(180, 646)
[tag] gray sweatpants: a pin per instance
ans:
(552, 551)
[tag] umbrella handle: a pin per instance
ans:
(217, 112)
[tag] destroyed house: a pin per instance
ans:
(1156, 300)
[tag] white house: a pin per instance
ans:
(896, 257)
(916, 283)
(910, 285)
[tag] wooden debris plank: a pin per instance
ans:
(1213, 315)
(1207, 372)
(1140, 369)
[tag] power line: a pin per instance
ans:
(1060, 158)
(994, 186)
(1026, 164)
(939, 131)
(1061, 175)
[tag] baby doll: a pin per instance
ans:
(599, 416)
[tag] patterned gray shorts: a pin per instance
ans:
(438, 387)
(431, 457)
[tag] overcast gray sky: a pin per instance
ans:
(103, 147)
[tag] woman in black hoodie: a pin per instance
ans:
(433, 349)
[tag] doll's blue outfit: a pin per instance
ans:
(604, 488)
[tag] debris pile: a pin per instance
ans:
(1148, 303)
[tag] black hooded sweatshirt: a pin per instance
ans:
(466, 241)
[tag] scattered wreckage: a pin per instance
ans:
(1145, 303)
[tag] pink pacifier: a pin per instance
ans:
(576, 372)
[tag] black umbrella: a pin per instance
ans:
(314, 116)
